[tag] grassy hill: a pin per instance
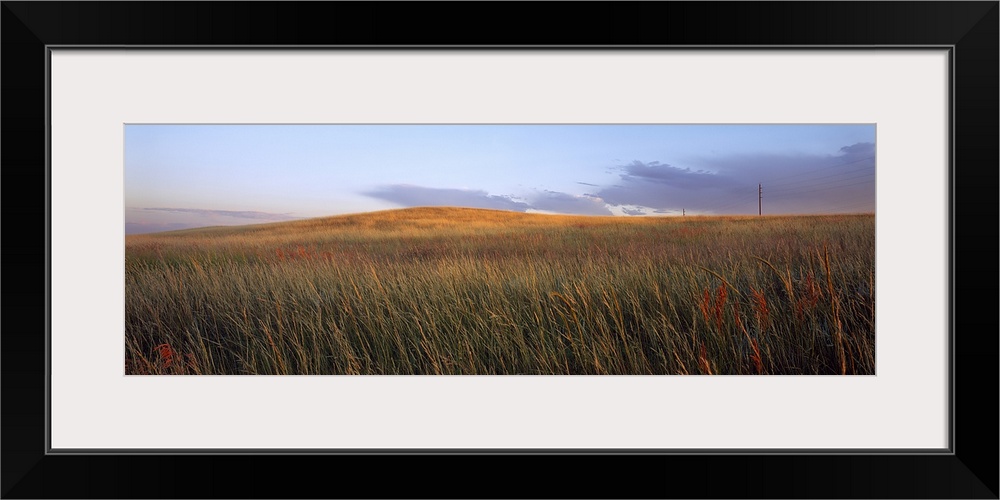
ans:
(411, 220)
(470, 291)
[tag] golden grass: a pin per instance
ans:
(467, 291)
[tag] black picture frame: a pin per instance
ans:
(968, 470)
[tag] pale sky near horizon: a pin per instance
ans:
(182, 176)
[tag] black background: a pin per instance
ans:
(971, 472)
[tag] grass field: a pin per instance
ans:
(468, 291)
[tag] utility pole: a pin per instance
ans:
(683, 213)
(760, 193)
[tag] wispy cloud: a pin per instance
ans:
(550, 201)
(554, 201)
(418, 196)
(239, 214)
(154, 227)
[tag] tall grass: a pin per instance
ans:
(462, 291)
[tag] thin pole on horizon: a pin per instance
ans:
(759, 196)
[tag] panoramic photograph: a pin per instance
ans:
(478, 249)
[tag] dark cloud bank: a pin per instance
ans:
(728, 185)
(723, 185)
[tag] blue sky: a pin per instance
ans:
(182, 176)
